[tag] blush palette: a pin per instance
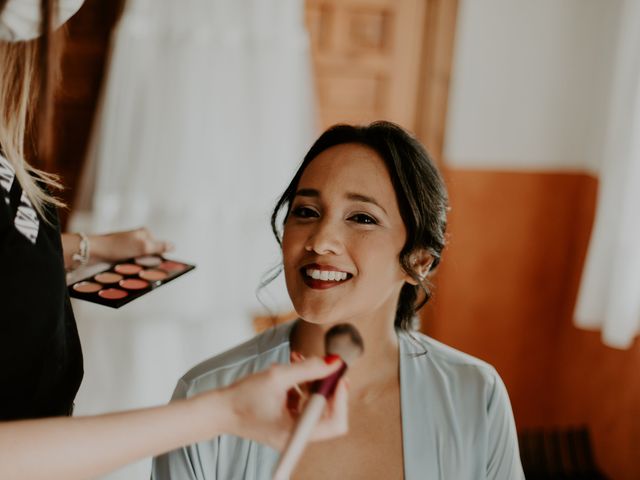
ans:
(122, 282)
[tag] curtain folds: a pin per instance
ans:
(609, 296)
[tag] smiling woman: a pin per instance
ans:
(405, 175)
(364, 224)
(344, 219)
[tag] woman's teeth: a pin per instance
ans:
(326, 275)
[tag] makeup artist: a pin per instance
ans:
(39, 346)
(40, 354)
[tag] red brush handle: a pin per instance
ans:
(327, 385)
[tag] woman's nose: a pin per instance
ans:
(325, 239)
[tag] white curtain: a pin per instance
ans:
(609, 297)
(207, 110)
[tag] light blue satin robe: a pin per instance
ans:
(457, 422)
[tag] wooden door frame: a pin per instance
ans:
(435, 74)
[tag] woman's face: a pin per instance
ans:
(342, 239)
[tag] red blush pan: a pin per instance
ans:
(112, 293)
(172, 267)
(127, 268)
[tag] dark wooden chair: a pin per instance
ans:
(558, 454)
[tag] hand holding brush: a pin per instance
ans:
(341, 340)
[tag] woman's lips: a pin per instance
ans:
(322, 277)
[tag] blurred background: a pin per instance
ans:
(190, 117)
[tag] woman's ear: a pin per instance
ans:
(420, 262)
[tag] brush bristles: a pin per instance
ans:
(344, 340)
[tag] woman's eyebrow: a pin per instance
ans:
(307, 192)
(358, 197)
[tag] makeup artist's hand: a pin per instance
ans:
(258, 404)
(254, 407)
(127, 244)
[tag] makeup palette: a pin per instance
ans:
(119, 283)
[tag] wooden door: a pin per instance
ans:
(367, 59)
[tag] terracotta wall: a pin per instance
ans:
(600, 386)
(505, 293)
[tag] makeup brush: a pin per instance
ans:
(342, 340)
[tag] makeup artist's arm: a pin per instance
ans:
(114, 246)
(85, 447)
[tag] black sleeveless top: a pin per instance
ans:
(40, 355)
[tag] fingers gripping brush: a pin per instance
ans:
(342, 340)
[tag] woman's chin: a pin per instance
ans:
(328, 318)
(315, 320)
(319, 318)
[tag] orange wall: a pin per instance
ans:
(505, 293)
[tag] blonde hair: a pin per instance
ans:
(27, 72)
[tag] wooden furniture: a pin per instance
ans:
(558, 454)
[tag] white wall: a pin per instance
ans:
(530, 83)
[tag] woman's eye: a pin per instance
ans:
(304, 212)
(363, 218)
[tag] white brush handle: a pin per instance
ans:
(300, 436)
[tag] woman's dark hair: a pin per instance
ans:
(420, 192)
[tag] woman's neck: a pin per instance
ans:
(378, 364)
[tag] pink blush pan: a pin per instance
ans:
(134, 284)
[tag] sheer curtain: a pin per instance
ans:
(207, 110)
(609, 297)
